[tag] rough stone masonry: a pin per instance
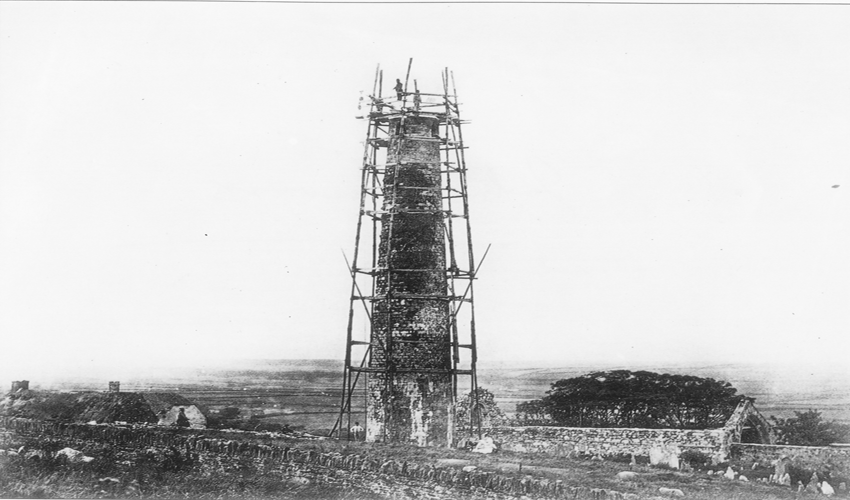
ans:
(411, 401)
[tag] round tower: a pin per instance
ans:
(412, 402)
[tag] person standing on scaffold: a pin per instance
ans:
(399, 89)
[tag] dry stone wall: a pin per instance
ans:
(566, 441)
(393, 478)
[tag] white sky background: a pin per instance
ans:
(177, 179)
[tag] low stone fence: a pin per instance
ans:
(388, 477)
(567, 441)
(807, 457)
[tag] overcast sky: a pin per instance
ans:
(658, 183)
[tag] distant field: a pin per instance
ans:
(302, 394)
(306, 393)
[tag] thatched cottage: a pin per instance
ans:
(160, 408)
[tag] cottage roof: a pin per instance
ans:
(159, 401)
(133, 407)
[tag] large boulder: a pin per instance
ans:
(665, 456)
(627, 475)
(73, 456)
(673, 492)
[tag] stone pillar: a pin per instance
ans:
(114, 386)
(411, 327)
(23, 385)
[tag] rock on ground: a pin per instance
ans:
(627, 476)
(826, 489)
(73, 455)
(673, 492)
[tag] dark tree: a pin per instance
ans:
(809, 429)
(532, 412)
(623, 398)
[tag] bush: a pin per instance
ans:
(271, 427)
(230, 412)
(799, 474)
(809, 429)
(695, 458)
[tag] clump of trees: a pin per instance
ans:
(623, 398)
(809, 429)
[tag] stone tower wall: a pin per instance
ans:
(20, 385)
(412, 407)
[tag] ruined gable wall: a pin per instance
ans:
(746, 414)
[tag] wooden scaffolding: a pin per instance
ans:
(362, 342)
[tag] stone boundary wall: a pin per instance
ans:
(567, 441)
(388, 477)
(807, 457)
